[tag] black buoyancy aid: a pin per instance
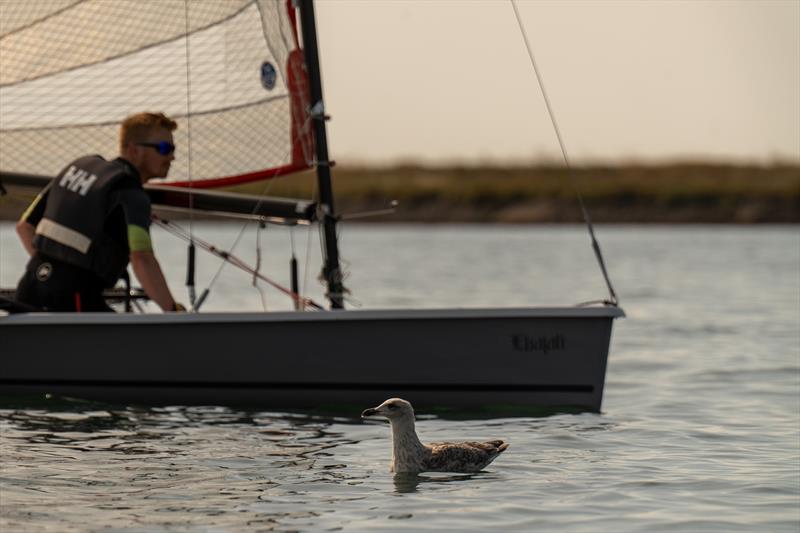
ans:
(72, 225)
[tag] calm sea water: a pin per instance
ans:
(700, 429)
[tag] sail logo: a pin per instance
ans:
(544, 345)
(268, 75)
(77, 180)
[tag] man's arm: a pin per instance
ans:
(26, 227)
(145, 265)
(26, 232)
(148, 272)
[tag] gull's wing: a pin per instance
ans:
(463, 456)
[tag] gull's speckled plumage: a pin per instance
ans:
(410, 455)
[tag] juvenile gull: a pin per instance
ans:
(410, 455)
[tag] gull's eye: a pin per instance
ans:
(392, 406)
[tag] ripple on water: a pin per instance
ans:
(138, 469)
(699, 430)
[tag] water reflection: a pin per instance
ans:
(408, 482)
(219, 436)
(221, 466)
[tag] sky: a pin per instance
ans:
(450, 81)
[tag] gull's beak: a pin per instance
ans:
(369, 412)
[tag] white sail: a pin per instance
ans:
(71, 71)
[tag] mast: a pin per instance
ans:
(330, 268)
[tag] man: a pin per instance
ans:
(94, 218)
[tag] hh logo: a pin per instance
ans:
(77, 180)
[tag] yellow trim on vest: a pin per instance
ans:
(31, 207)
(139, 239)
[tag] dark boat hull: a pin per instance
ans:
(493, 360)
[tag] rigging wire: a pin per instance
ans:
(227, 257)
(191, 249)
(303, 301)
(595, 245)
(256, 207)
(257, 270)
(267, 185)
(306, 267)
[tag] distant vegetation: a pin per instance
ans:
(636, 193)
(665, 193)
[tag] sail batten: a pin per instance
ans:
(175, 116)
(30, 17)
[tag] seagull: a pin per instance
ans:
(410, 455)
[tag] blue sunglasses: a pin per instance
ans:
(162, 147)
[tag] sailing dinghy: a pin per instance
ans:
(242, 79)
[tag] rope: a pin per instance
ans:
(595, 245)
(264, 190)
(227, 257)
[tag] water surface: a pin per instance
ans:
(700, 429)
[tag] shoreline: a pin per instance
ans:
(569, 212)
(678, 193)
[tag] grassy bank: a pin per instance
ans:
(667, 193)
(663, 193)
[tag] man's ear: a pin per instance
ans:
(131, 152)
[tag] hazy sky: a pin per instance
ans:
(450, 80)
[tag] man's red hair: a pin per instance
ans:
(137, 127)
